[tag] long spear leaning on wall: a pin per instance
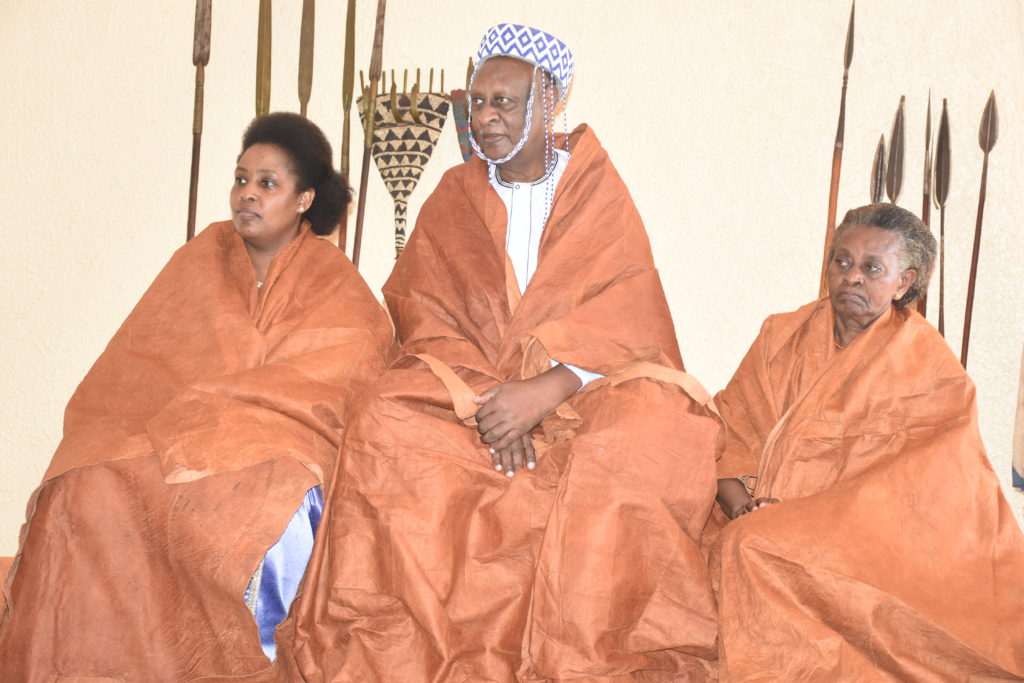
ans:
(263, 59)
(306, 33)
(987, 136)
(348, 85)
(837, 156)
(894, 169)
(370, 105)
(942, 176)
(926, 191)
(200, 57)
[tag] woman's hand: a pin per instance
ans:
(751, 506)
(736, 502)
(510, 411)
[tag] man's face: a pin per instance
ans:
(500, 91)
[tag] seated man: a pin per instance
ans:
(880, 546)
(523, 495)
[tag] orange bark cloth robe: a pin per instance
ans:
(893, 555)
(187, 449)
(438, 567)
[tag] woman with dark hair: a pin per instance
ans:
(178, 514)
(871, 540)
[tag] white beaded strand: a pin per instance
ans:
(526, 130)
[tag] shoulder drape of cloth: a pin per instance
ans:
(439, 568)
(186, 450)
(893, 554)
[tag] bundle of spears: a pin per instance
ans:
(889, 175)
(201, 57)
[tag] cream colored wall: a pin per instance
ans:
(719, 115)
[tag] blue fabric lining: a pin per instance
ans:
(284, 566)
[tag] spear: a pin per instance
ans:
(837, 156)
(942, 176)
(306, 53)
(987, 136)
(263, 60)
(200, 58)
(1017, 468)
(926, 191)
(878, 171)
(370, 110)
(347, 86)
(894, 169)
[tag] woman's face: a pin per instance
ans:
(865, 275)
(266, 207)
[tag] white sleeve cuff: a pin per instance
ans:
(586, 377)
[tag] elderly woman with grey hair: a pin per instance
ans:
(882, 547)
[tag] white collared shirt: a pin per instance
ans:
(525, 204)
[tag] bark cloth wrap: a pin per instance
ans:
(186, 450)
(893, 555)
(439, 568)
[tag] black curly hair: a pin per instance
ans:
(916, 241)
(310, 156)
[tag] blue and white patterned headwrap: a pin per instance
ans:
(529, 45)
(543, 51)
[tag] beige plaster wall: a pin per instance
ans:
(720, 116)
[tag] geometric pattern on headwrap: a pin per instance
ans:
(529, 45)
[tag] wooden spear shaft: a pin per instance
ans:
(306, 35)
(987, 139)
(200, 58)
(347, 88)
(926, 191)
(370, 109)
(348, 84)
(837, 158)
(942, 271)
(263, 46)
(966, 341)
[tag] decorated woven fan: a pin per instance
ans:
(407, 126)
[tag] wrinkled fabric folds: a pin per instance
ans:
(187, 448)
(439, 568)
(893, 555)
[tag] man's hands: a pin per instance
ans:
(509, 412)
(735, 501)
(519, 454)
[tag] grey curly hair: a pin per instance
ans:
(917, 245)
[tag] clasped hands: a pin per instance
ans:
(736, 502)
(510, 411)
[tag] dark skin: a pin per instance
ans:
(509, 412)
(500, 91)
(266, 204)
(865, 276)
(735, 501)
